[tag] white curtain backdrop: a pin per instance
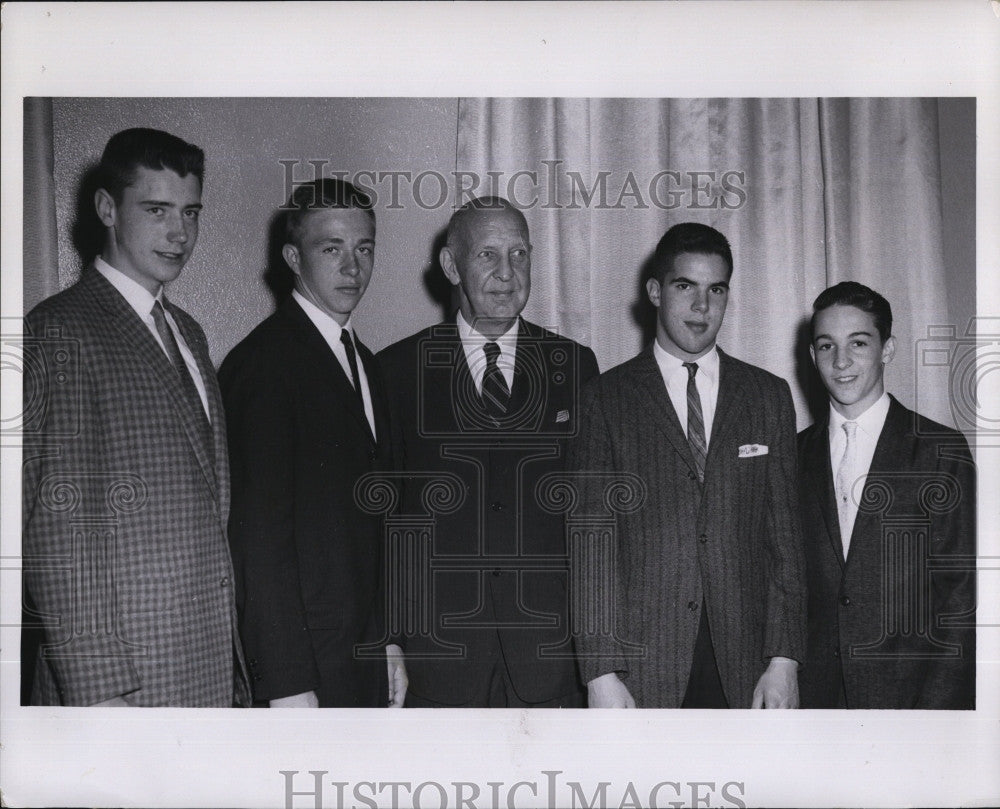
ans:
(809, 192)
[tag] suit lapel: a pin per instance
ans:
(891, 442)
(649, 386)
(314, 343)
(728, 403)
(137, 338)
(816, 457)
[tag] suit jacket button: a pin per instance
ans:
(845, 601)
(703, 539)
(497, 506)
(496, 571)
(692, 605)
(692, 476)
(836, 652)
(372, 455)
(224, 581)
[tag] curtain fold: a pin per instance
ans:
(809, 192)
(41, 248)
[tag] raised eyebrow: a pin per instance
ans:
(860, 334)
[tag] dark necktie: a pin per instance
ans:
(352, 360)
(496, 394)
(696, 422)
(188, 387)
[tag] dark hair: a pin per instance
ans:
(851, 293)
(327, 192)
(153, 149)
(689, 237)
(457, 221)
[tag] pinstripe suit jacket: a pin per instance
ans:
(893, 625)
(734, 542)
(125, 510)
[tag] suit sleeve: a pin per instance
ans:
(63, 473)
(785, 616)
(590, 454)
(262, 444)
(951, 681)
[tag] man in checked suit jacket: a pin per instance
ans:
(705, 599)
(126, 480)
(487, 401)
(307, 418)
(888, 504)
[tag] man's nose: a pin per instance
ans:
(504, 272)
(177, 232)
(700, 302)
(841, 359)
(350, 265)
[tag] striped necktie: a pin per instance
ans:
(696, 422)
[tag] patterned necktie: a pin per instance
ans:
(352, 360)
(844, 484)
(496, 394)
(188, 388)
(696, 422)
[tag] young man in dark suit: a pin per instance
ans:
(126, 481)
(307, 418)
(484, 405)
(888, 503)
(701, 577)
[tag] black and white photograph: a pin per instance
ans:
(550, 425)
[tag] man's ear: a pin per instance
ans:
(653, 291)
(888, 350)
(812, 354)
(290, 253)
(447, 259)
(105, 206)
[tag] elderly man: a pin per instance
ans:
(487, 401)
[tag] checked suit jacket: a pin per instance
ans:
(893, 625)
(733, 543)
(124, 511)
(308, 560)
(499, 557)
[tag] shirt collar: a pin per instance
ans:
(138, 297)
(708, 365)
(328, 327)
(473, 339)
(871, 421)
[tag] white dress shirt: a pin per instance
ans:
(140, 299)
(675, 377)
(870, 424)
(331, 329)
(473, 343)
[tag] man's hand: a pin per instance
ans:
(398, 681)
(607, 691)
(778, 686)
(306, 700)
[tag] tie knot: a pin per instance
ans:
(345, 338)
(157, 307)
(492, 351)
(851, 428)
(692, 368)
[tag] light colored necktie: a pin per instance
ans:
(845, 482)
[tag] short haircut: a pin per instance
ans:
(851, 293)
(327, 192)
(458, 219)
(153, 149)
(689, 237)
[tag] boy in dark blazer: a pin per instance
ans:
(307, 418)
(701, 575)
(888, 503)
